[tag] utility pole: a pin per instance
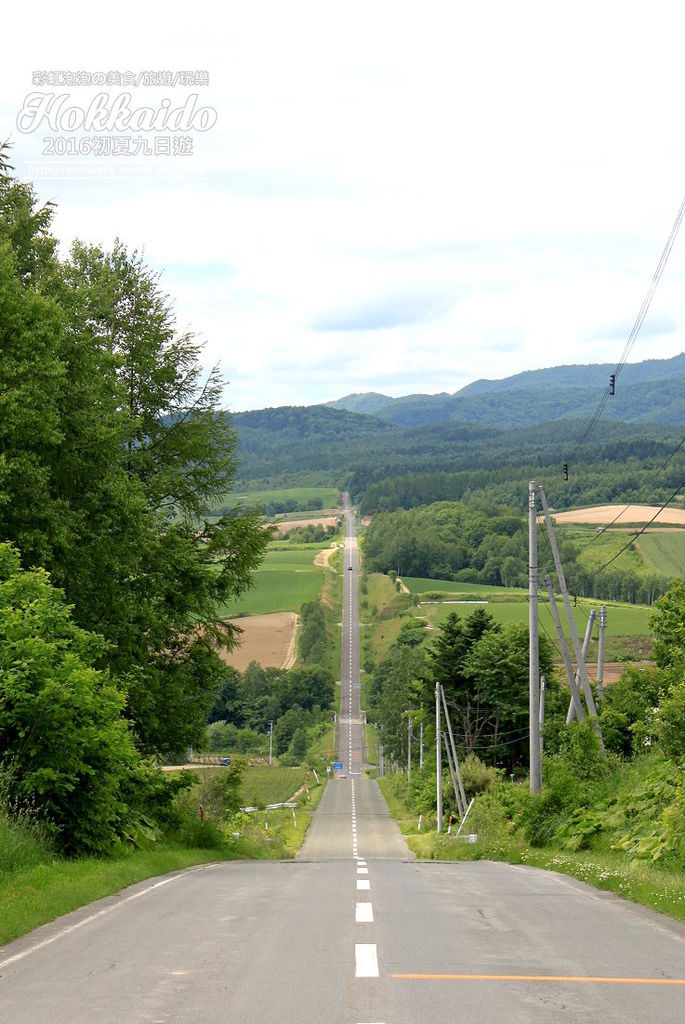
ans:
(589, 699)
(533, 643)
(542, 711)
(409, 750)
(271, 743)
(454, 748)
(438, 757)
(586, 645)
(421, 746)
(570, 675)
(600, 652)
(450, 764)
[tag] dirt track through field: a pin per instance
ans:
(270, 640)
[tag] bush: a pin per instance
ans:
(65, 747)
(477, 776)
(576, 777)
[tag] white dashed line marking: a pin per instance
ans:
(364, 913)
(363, 883)
(366, 960)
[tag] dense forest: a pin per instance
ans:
(385, 466)
(477, 542)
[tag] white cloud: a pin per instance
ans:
(495, 180)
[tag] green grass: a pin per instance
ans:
(665, 551)
(640, 881)
(277, 590)
(32, 897)
(329, 496)
(302, 559)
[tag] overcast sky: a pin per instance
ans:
(394, 197)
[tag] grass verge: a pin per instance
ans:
(650, 885)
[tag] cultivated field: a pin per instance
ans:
(329, 497)
(602, 515)
(263, 785)
(285, 525)
(622, 619)
(665, 550)
(417, 585)
(284, 581)
(266, 639)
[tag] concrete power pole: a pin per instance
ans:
(534, 646)
(542, 710)
(570, 675)
(438, 756)
(600, 652)
(409, 731)
(271, 743)
(586, 646)
(587, 691)
(421, 746)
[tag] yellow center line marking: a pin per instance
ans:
(539, 977)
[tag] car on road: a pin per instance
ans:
(349, 568)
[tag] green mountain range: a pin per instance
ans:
(652, 391)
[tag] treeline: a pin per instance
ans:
(293, 700)
(311, 534)
(450, 540)
(478, 543)
(113, 449)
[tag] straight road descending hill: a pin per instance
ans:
(351, 933)
(353, 815)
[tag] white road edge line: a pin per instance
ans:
(366, 960)
(94, 917)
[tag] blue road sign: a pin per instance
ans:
(337, 766)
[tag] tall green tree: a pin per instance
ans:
(113, 452)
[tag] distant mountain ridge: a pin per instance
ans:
(652, 391)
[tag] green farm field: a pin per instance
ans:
(622, 619)
(329, 496)
(284, 581)
(665, 551)
(277, 590)
(416, 585)
(263, 785)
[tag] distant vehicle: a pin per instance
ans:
(349, 568)
(225, 760)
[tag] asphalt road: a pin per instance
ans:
(351, 933)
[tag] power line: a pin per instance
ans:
(649, 483)
(635, 330)
(640, 532)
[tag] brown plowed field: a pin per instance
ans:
(266, 639)
(292, 524)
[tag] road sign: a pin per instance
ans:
(338, 766)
